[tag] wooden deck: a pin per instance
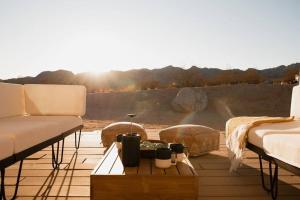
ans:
(72, 181)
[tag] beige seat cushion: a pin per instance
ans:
(279, 140)
(199, 139)
(57, 100)
(12, 101)
(32, 130)
(6, 147)
(295, 103)
(110, 132)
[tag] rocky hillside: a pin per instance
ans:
(167, 77)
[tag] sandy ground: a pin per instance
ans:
(153, 107)
(93, 125)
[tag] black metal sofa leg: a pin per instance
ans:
(77, 141)
(274, 185)
(56, 157)
(3, 196)
(2, 190)
(262, 175)
(273, 189)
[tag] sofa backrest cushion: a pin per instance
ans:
(295, 104)
(11, 100)
(55, 99)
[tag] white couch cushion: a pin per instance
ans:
(55, 99)
(295, 104)
(280, 140)
(6, 147)
(32, 130)
(11, 100)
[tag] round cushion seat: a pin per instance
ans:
(199, 139)
(110, 132)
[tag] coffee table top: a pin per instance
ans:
(111, 164)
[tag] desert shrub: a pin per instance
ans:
(226, 77)
(251, 76)
(289, 76)
(189, 80)
(145, 85)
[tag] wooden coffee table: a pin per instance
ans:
(111, 180)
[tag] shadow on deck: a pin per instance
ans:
(72, 180)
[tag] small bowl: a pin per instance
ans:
(163, 158)
(163, 164)
(150, 153)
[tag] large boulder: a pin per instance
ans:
(190, 100)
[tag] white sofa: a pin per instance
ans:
(278, 143)
(34, 116)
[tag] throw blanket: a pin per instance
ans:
(237, 131)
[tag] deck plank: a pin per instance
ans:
(72, 181)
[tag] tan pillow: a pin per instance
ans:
(55, 99)
(110, 132)
(11, 100)
(199, 139)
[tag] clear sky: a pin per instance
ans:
(108, 35)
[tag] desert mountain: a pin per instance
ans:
(166, 77)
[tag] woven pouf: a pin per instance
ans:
(199, 139)
(110, 132)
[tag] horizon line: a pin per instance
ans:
(145, 68)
